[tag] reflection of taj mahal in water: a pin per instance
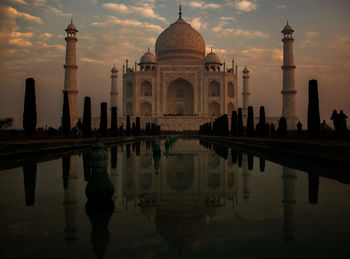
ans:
(182, 190)
(179, 87)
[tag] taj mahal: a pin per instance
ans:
(180, 87)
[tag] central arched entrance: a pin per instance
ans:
(180, 98)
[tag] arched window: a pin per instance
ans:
(146, 88)
(146, 109)
(230, 90)
(214, 88)
(129, 90)
(214, 109)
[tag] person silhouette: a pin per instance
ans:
(300, 128)
(335, 119)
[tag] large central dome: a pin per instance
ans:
(180, 40)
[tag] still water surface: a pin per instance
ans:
(195, 200)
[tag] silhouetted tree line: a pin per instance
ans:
(220, 125)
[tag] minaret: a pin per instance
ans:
(114, 87)
(289, 178)
(288, 91)
(70, 75)
(246, 93)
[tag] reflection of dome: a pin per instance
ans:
(180, 224)
(180, 40)
(149, 212)
(212, 211)
(146, 181)
(148, 57)
(214, 180)
(146, 160)
(212, 58)
(180, 173)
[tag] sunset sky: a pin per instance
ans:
(32, 45)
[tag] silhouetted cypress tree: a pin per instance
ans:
(103, 120)
(29, 113)
(87, 117)
(224, 120)
(234, 123)
(313, 187)
(114, 157)
(138, 126)
(282, 127)
(262, 164)
(240, 158)
(29, 175)
(133, 129)
(250, 122)
(240, 122)
(313, 113)
(234, 156)
(114, 126)
(128, 129)
(66, 127)
(250, 161)
(262, 122)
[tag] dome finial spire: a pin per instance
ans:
(180, 11)
(211, 49)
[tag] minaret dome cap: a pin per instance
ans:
(287, 28)
(71, 27)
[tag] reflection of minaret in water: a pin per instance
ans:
(69, 169)
(246, 178)
(116, 178)
(29, 176)
(289, 178)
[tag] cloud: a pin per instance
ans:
(89, 60)
(58, 12)
(245, 5)
(129, 22)
(281, 7)
(145, 11)
(309, 36)
(228, 32)
(43, 45)
(215, 50)
(12, 12)
(120, 8)
(203, 5)
(19, 2)
(198, 24)
(19, 42)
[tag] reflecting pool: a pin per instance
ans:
(194, 199)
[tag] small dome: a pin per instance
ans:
(180, 40)
(287, 28)
(212, 58)
(245, 70)
(71, 26)
(148, 57)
